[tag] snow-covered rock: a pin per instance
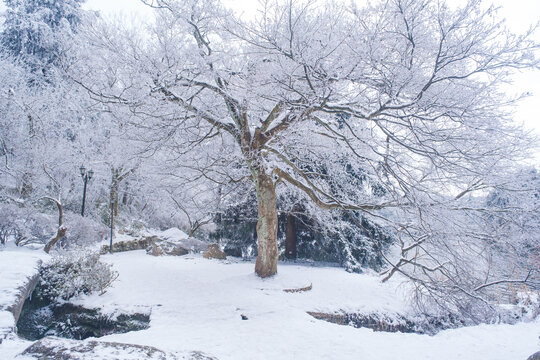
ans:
(62, 349)
(166, 247)
(170, 242)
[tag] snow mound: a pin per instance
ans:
(173, 234)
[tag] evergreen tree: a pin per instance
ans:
(35, 31)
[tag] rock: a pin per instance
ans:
(535, 356)
(214, 252)
(154, 250)
(167, 248)
(302, 289)
(157, 246)
(61, 349)
(138, 244)
(40, 318)
(194, 245)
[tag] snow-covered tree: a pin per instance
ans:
(35, 31)
(44, 115)
(406, 91)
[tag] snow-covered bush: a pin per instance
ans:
(82, 231)
(75, 273)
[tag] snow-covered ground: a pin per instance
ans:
(17, 265)
(196, 305)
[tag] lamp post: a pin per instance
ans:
(86, 175)
(112, 226)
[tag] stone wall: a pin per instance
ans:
(24, 292)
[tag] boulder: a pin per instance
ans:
(157, 246)
(167, 248)
(154, 250)
(193, 245)
(535, 356)
(137, 244)
(214, 252)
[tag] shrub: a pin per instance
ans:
(82, 231)
(75, 273)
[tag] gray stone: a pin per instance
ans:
(24, 292)
(535, 356)
(194, 245)
(167, 248)
(214, 252)
(138, 244)
(157, 246)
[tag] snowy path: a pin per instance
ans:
(196, 305)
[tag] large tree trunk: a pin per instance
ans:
(267, 258)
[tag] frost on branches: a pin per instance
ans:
(406, 91)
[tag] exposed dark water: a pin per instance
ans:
(40, 318)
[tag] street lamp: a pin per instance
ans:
(86, 175)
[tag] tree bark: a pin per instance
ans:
(290, 237)
(113, 195)
(116, 179)
(267, 257)
(113, 198)
(61, 232)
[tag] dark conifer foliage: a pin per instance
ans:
(34, 29)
